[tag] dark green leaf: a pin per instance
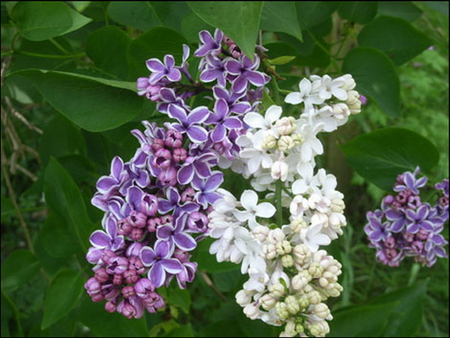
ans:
(400, 9)
(155, 43)
(42, 20)
(383, 154)
(137, 14)
(62, 295)
(107, 47)
(105, 324)
(63, 196)
(21, 89)
(439, 6)
(358, 11)
(182, 331)
(61, 137)
(406, 43)
(180, 298)
(281, 16)
(361, 321)
(313, 13)
(57, 237)
(225, 15)
(18, 269)
(101, 105)
(171, 13)
(407, 315)
(191, 25)
(376, 77)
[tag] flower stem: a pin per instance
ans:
(413, 274)
(278, 192)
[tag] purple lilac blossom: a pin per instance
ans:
(407, 227)
(156, 205)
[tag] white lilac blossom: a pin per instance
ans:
(290, 275)
(405, 226)
(157, 204)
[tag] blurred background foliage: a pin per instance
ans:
(69, 103)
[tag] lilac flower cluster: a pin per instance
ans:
(157, 204)
(408, 227)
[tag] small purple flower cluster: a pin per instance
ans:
(157, 204)
(406, 226)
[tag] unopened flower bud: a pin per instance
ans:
(315, 269)
(268, 301)
(269, 142)
(299, 282)
(281, 310)
(341, 110)
(251, 311)
(319, 329)
(283, 247)
(261, 232)
(287, 261)
(314, 297)
(285, 143)
(243, 297)
(280, 170)
(277, 290)
(285, 125)
(321, 310)
(292, 304)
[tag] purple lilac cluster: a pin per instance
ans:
(406, 226)
(157, 204)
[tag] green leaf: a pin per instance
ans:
(182, 331)
(155, 43)
(61, 137)
(407, 315)
(18, 269)
(111, 57)
(361, 320)
(358, 11)
(376, 77)
(191, 25)
(281, 16)
(239, 20)
(101, 104)
(137, 14)
(406, 43)
(400, 9)
(105, 324)
(57, 237)
(42, 20)
(314, 13)
(63, 196)
(62, 295)
(180, 298)
(281, 60)
(381, 155)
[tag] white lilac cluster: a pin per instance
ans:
(290, 276)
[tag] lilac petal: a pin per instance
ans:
(155, 65)
(172, 265)
(157, 275)
(148, 256)
(256, 78)
(178, 113)
(202, 50)
(233, 67)
(212, 197)
(116, 167)
(214, 181)
(205, 37)
(438, 239)
(167, 94)
(164, 232)
(394, 215)
(412, 227)
(186, 52)
(190, 207)
(422, 211)
(397, 225)
(209, 75)
(240, 84)
(202, 169)
(162, 249)
(218, 134)
(221, 108)
(184, 241)
(174, 75)
(240, 107)
(105, 183)
(247, 63)
(440, 252)
(111, 227)
(164, 206)
(421, 182)
(185, 174)
(155, 77)
(220, 93)
(134, 197)
(169, 61)
(99, 239)
(198, 115)
(426, 225)
(232, 122)
(197, 134)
